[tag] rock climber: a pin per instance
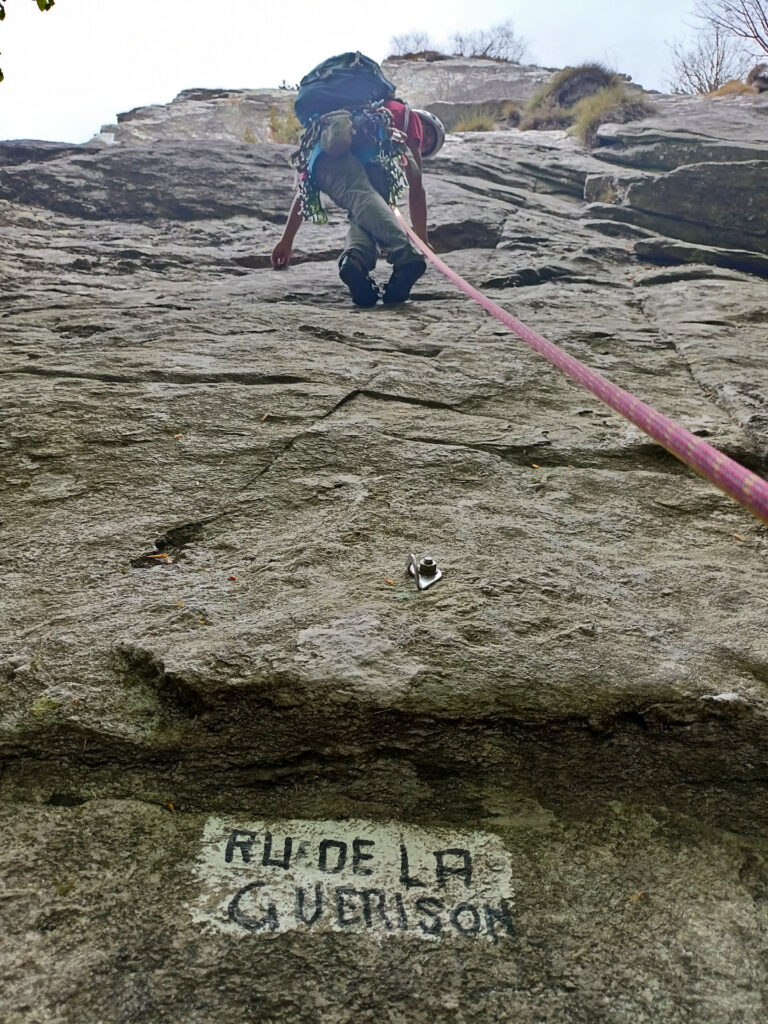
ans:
(355, 177)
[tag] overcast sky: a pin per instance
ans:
(73, 68)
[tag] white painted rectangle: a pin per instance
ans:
(360, 877)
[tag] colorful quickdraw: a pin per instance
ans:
(311, 204)
(374, 127)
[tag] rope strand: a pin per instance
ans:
(744, 486)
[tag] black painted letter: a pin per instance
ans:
(244, 845)
(405, 878)
(502, 915)
(466, 908)
(380, 895)
(341, 857)
(402, 917)
(442, 870)
(267, 859)
(358, 855)
(252, 924)
(301, 917)
(342, 892)
(432, 907)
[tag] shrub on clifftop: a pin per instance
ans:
(572, 84)
(284, 127)
(609, 105)
(582, 98)
(500, 42)
(415, 46)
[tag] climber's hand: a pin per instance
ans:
(281, 256)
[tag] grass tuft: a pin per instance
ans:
(582, 98)
(284, 128)
(482, 120)
(572, 84)
(613, 104)
(544, 117)
(510, 111)
(733, 87)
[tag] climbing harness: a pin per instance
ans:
(311, 205)
(741, 484)
(376, 141)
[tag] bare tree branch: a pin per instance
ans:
(410, 42)
(746, 19)
(500, 42)
(714, 59)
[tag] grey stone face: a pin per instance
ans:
(715, 151)
(212, 477)
(464, 80)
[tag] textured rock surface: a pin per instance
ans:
(451, 88)
(464, 80)
(716, 151)
(212, 477)
(212, 115)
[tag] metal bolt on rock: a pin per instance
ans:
(424, 571)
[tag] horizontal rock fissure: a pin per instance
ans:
(745, 263)
(687, 231)
(427, 403)
(650, 759)
(630, 459)
(529, 276)
(515, 200)
(161, 377)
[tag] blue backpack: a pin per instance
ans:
(349, 81)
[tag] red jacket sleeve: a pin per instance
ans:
(415, 132)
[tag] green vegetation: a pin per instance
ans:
(284, 127)
(545, 116)
(582, 98)
(485, 118)
(571, 85)
(613, 104)
(510, 111)
(499, 42)
(44, 707)
(482, 120)
(44, 5)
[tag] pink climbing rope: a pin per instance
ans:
(746, 487)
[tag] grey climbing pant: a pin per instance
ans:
(358, 188)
